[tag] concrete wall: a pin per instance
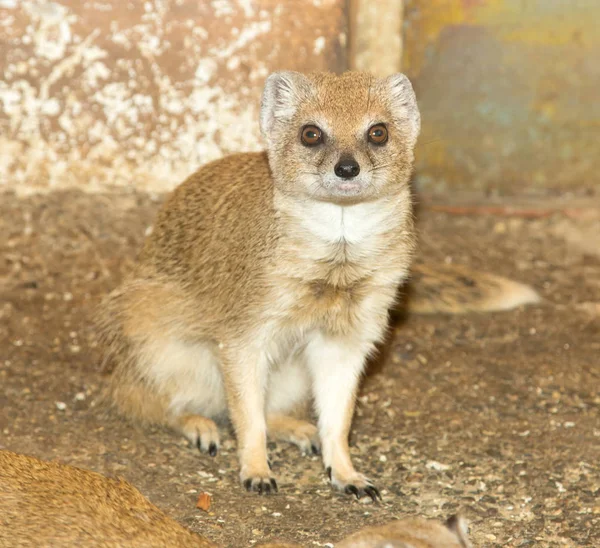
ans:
(117, 92)
(509, 91)
(132, 92)
(375, 43)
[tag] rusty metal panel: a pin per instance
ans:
(509, 93)
(116, 92)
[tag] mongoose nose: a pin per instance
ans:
(347, 168)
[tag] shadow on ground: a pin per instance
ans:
(493, 414)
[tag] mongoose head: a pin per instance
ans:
(339, 138)
(412, 533)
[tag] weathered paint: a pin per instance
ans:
(508, 91)
(140, 93)
(376, 36)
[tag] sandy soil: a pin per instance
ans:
(493, 414)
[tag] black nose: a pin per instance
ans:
(347, 168)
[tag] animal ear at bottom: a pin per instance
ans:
(282, 94)
(403, 104)
(459, 527)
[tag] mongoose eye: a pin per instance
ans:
(311, 136)
(378, 134)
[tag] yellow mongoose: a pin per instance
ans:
(268, 277)
(56, 505)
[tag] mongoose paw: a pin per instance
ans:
(301, 433)
(202, 433)
(357, 485)
(306, 438)
(260, 485)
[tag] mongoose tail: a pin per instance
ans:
(457, 289)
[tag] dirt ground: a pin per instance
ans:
(493, 414)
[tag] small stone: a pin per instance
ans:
(412, 413)
(500, 227)
(438, 466)
(60, 405)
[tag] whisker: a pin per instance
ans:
(379, 166)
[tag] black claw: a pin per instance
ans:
(352, 490)
(261, 486)
(212, 449)
(315, 449)
(199, 444)
(329, 472)
(270, 464)
(373, 492)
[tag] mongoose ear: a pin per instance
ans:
(459, 527)
(403, 103)
(283, 92)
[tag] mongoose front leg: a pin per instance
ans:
(336, 366)
(245, 375)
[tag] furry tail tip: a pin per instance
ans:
(455, 289)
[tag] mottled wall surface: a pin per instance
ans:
(509, 92)
(375, 43)
(116, 92)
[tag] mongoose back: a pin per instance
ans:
(268, 277)
(47, 504)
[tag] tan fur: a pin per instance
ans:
(302, 433)
(411, 533)
(268, 279)
(48, 504)
(456, 289)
